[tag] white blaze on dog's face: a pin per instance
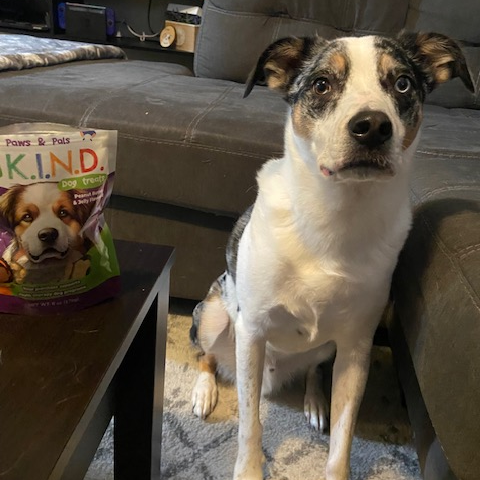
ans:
(44, 220)
(356, 103)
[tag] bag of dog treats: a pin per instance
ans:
(56, 252)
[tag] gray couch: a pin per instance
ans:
(190, 145)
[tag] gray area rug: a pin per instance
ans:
(26, 51)
(193, 449)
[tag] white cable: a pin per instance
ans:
(141, 36)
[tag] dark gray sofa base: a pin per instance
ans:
(431, 457)
(198, 237)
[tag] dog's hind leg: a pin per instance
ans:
(211, 332)
(316, 406)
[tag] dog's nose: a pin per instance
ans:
(48, 235)
(370, 128)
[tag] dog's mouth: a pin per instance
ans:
(48, 253)
(361, 169)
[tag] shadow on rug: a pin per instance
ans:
(205, 450)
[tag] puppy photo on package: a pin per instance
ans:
(56, 252)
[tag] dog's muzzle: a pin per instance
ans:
(48, 238)
(370, 131)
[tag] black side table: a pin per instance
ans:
(63, 377)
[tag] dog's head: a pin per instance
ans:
(356, 103)
(44, 219)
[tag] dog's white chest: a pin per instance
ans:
(312, 307)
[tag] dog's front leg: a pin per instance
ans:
(250, 356)
(350, 372)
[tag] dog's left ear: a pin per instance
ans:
(438, 56)
(7, 204)
(278, 64)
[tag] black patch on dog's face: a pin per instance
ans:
(325, 60)
(318, 86)
(394, 65)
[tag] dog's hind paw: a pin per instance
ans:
(316, 410)
(205, 395)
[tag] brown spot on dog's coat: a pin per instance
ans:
(207, 363)
(302, 123)
(386, 65)
(338, 64)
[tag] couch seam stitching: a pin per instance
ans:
(276, 29)
(452, 188)
(265, 15)
(191, 129)
(450, 255)
(466, 251)
(173, 143)
(93, 107)
(448, 155)
(475, 88)
(196, 145)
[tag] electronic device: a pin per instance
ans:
(61, 15)
(91, 22)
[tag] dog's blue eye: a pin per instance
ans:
(321, 86)
(403, 84)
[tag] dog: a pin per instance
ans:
(309, 265)
(48, 243)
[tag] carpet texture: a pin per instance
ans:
(193, 449)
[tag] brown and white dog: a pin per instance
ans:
(48, 244)
(310, 264)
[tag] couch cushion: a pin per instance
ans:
(437, 283)
(450, 132)
(457, 19)
(217, 55)
(453, 19)
(182, 140)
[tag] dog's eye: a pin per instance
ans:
(63, 213)
(27, 218)
(321, 86)
(403, 84)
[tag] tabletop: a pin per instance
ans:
(52, 368)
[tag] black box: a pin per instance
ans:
(86, 22)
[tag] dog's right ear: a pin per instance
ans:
(278, 64)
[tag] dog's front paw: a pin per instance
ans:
(205, 395)
(316, 410)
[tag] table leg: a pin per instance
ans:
(139, 402)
